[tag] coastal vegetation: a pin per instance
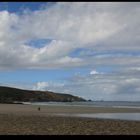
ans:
(14, 95)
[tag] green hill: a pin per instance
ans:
(10, 95)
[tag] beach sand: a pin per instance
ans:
(18, 119)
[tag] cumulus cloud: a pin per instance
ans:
(79, 34)
(93, 72)
(121, 85)
(48, 86)
(96, 26)
(41, 86)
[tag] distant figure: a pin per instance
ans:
(38, 108)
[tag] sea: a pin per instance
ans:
(116, 104)
(113, 104)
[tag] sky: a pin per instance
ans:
(87, 49)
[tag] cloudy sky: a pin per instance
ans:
(87, 49)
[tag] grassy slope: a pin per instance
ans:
(8, 94)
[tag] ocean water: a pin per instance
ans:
(120, 116)
(118, 104)
(115, 104)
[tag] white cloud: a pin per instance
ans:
(70, 26)
(113, 86)
(94, 72)
(120, 85)
(43, 86)
(105, 34)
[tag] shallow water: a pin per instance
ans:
(121, 116)
(116, 104)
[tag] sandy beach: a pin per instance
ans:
(47, 109)
(18, 119)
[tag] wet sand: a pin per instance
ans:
(33, 109)
(27, 120)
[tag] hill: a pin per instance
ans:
(10, 95)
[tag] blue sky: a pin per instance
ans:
(18, 6)
(71, 48)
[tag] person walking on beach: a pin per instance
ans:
(39, 108)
